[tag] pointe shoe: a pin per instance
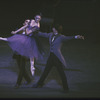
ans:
(32, 70)
(0, 38)
(4, 39)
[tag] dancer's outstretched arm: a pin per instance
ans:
(20, 29)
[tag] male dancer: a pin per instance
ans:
(55, 58)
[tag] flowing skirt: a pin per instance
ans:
(25, 45)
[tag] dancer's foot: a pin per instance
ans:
(27, 83)
(32, 70)
(37, 86)
(66, 90)
(0, 38)
(4, 39)
(16, 86)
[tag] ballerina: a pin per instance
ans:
(26, 44)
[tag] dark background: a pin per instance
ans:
(82, 57)
(76, 16)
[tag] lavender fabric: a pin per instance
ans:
(24, 45)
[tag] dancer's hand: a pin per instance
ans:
(26, 22)
(79, 37)
(13, 32)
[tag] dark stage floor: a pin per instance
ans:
(83, 71)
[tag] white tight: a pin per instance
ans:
(32, 66)
(4, 39)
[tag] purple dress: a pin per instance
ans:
(25, 45)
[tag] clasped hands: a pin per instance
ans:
(80, 37)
